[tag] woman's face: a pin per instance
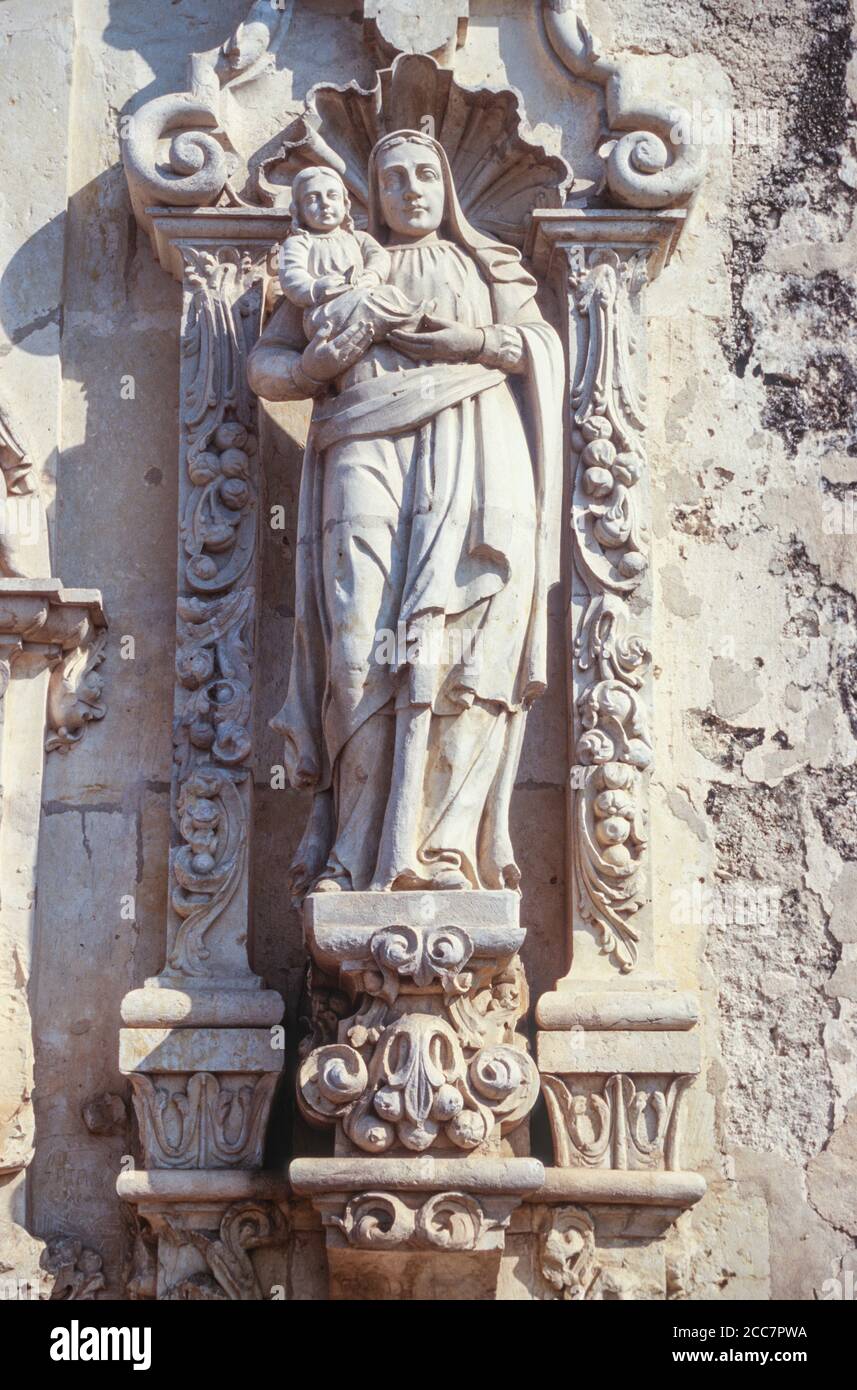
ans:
(410, 185)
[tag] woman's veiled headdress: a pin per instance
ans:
(500, 264)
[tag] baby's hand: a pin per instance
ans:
(369, 280)
(328, 287)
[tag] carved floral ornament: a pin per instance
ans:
(446, 1221)
(202, 1121)
(615, 1122)
(614, 748)
(216, 605)
(229, 1274)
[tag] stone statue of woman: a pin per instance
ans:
(431, 470)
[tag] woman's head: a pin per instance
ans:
(411, 184)
(320, 201)
(412, 194)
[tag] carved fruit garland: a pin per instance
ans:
(216, 614)
(614, 747)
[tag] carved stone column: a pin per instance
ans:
(422, 1084)
(198, 1043)
(616, 1046)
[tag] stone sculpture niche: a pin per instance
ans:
(400, 235)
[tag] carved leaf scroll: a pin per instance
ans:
(216, 613)
(652, 163)
(614, 746)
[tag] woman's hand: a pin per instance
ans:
(440, 340)
(325, 357)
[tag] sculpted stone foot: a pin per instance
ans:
(331, 885)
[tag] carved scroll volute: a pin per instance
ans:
(215, 615)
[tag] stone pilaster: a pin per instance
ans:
(200, 1042)
(51, 641)
(616, 1042)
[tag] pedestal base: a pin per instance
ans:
(425, 1229)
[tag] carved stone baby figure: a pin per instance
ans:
(334, 272)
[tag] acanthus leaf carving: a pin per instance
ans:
(74, 693)
(568, 1255)
(215, 616)
(203, 1120)
(626, 1124)
(207, 868)
(613, 741)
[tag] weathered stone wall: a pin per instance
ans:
(751, 398)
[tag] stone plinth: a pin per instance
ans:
(428, 1061)
(415, 1227)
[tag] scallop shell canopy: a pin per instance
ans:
(501, 174)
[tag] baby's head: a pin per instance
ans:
(320, 201)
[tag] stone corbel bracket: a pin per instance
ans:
(640, 170)
(65, 629)
(424, 1082)
(198, 1234)
(420, 1227)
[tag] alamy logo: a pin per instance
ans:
(76, 1343)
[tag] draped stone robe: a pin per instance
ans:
(421, 584)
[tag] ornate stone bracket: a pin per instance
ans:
(430, 1063)
(197, 1234)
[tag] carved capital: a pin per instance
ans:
(203, 1120)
